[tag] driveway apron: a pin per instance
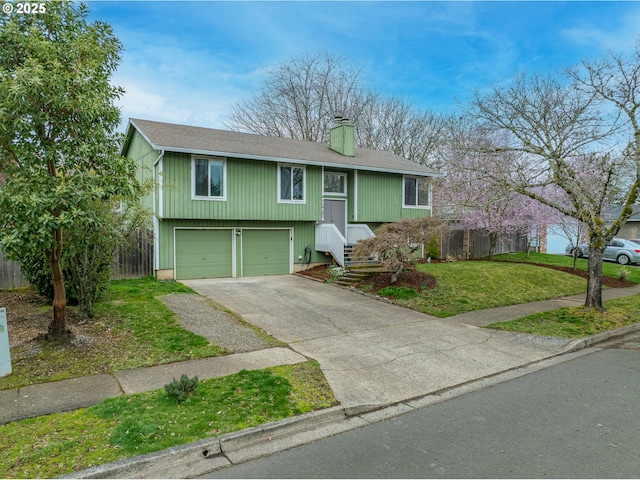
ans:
(371, 352)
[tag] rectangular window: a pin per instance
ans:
(209, 178)
(335, 183)
(291, 184)
(416, 192)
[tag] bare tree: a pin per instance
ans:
(565, 139)
(396, 126)
(301, 97)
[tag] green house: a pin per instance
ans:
(230, 204)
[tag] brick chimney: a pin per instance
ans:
(342, 137)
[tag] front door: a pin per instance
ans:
(335, 211)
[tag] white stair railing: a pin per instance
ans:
(330, 240)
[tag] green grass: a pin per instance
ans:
(132, 328)
(130, 425)
(608, 268)
(477, 285)
(577, 322)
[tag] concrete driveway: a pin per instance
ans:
(371, 352)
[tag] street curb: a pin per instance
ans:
(602, 337)
(197, 458)
(204, 456)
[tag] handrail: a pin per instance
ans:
(358, 231)
(329, 239)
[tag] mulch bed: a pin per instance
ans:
(409, 278)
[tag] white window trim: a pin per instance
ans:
(223, 197)
(304, 183)
(337, 194)
(423, 207)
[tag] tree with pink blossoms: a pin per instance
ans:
(478, 201)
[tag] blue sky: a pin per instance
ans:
(190, 62)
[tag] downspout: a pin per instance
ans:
(156, 222)
(355, 196)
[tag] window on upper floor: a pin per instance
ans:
(291, 184)
(416, 192)
(335, 183)
(209, 178)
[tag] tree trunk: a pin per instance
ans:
(594, 280)
(57, 328)
(493, 241)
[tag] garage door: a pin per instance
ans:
(204, 253)
(265, 252)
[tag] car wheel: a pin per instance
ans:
(623, 259)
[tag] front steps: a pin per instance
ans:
(359, 268)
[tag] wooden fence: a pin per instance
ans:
(129, 261)
(136, 258)
(10, 274)
(476, 243)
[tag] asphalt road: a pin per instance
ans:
(577, 419)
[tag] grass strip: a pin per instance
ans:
(576, 322)
(131, 425)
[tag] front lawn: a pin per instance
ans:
(478, 285)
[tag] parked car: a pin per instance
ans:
(580, 251)
(618, 250)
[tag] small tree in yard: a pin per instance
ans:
(395, 243)
(59, 155)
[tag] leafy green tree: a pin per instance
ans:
(58, 150)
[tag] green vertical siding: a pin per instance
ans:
(251, 193)
(144, 156)
(379, 197)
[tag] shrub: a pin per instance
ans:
(432, 248)
(181, 389)
(337, 272)
(623, 273)
(397, 292)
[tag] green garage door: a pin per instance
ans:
(203, 253)
(265, 252)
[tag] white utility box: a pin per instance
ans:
(5, 355)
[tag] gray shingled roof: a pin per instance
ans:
(209, 141)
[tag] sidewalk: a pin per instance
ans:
(64, 395)
(187, 460)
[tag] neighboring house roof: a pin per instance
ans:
(209, 141)
(614, 212)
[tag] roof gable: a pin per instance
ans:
(209, 141)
